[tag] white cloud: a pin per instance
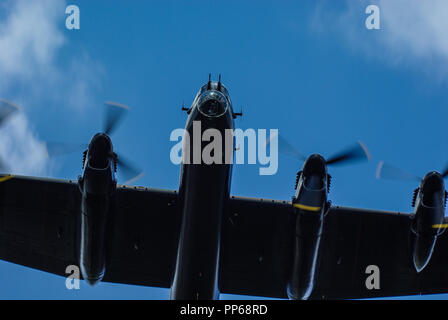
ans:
(413, 32)
(32, 36)
(416, 27)
(19, 148)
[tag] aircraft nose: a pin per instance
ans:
(212, 104)
(210, 108)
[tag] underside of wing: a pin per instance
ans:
(144, 237)
(256, 247)
(358, 243)
(38, 222)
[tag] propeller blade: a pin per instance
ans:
(286, 148)
(128, 172)
(7, 109)
(55, 149)
(445, 172)
(356, 153)
(114, 113)
(4, 168)
(389, 172)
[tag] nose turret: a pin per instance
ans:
(212, 104)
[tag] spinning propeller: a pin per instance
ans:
(113, 116)
(357, 152)
(389, 172)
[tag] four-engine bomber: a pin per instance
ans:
(200, 240)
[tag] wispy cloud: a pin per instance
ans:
(29, 37)
(32, 37)
(22, 152)
(413, 32)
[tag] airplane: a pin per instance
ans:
(201, 241)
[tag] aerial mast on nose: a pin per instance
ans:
(209, 83)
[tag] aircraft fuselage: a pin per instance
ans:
(203, 192)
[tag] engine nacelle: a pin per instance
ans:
(308, 232)
(427, 224)
(310, 205)
(425, 229)
(97, 186)
(97, 181)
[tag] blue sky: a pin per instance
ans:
(310, 69)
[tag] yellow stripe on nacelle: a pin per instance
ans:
(437, 226)
(305, 207)
(5, 178)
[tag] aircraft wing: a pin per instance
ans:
(257, 253)
(39, 229)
